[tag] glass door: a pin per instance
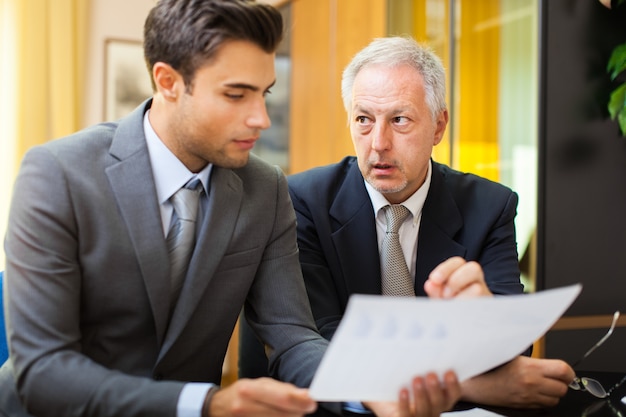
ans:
(490, 50)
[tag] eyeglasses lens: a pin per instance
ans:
(594, 387)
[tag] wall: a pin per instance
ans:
(8, 127)
(119, 19)
(325, 35)
(582, 170)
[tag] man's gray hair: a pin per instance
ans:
(393, 52)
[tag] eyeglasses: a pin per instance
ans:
(589, 384)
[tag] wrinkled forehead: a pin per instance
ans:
(384, 85)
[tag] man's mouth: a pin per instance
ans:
(382, 166)
(246, 143)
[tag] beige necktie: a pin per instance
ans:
(181, 236)
(396, 279)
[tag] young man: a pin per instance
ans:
(97, 324)
(458, 239)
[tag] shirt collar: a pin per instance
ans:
(169, 173)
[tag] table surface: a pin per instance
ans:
(576, 403)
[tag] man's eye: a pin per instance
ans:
(234, 96)
(361, 119)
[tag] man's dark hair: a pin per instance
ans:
(186, 34)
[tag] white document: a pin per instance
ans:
(383, 342)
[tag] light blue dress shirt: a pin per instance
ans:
(169, 176)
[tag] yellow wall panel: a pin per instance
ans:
(310, 97)
(325, 34)
(477, 111)
(480, 158)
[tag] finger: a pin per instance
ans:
(433, 397)
(438, 278)
(558, 369)
(554, 388)
(453, 388)
(553, 369)
(385, 408)
(540, 401)
(432, 290)
(273, 394)
(404, 404)
(421, 400)
(541, 382)
(293, 400)
(436, 393)
(556, 377)
(442, 272)
(468, 280)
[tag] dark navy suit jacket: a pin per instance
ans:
(463, 215)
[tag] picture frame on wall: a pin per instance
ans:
(273, 145)
(126, 78)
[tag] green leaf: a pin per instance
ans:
(617, 62)
(617, 107)
(617, 102)
(622, 121)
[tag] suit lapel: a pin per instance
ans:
(356, 241)
(355, 236)
(134, 189)
(441, 220)
(225, 196)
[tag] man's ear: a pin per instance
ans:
(442, 122)
(167, 80)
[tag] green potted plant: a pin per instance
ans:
(617, 65)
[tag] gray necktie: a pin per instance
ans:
(396, 279)
(182, 233)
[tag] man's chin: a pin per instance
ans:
(385, 186)
(233, 163)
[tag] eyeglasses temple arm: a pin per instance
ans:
(601, 341)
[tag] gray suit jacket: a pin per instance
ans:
(87, 279)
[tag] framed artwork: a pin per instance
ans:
(126, 78)
(273, 145)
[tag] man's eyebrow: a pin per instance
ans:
(248, 86)
(401, 111)
(361, 109)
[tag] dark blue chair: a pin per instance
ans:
(4, 350)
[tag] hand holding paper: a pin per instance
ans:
(383, 342)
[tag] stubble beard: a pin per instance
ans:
(379, 185)
(222, 159)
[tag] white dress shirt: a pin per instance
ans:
(408, 238)
(409, 229)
